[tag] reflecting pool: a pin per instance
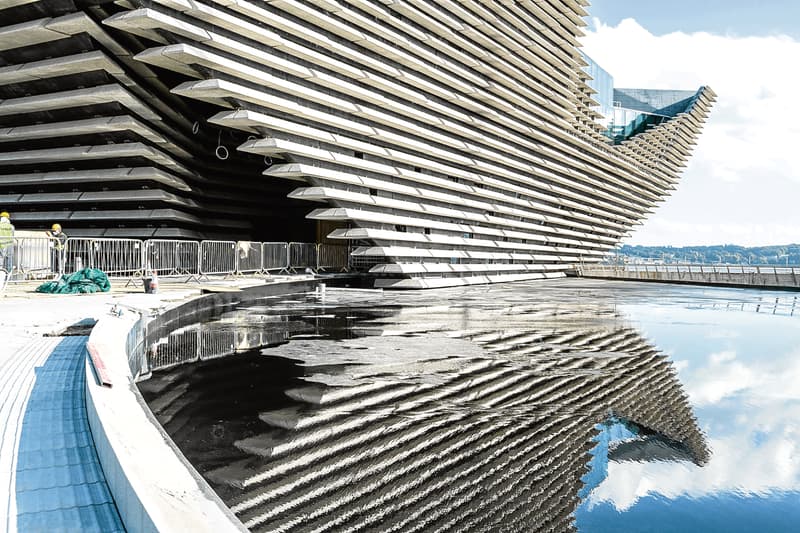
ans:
(566, 405)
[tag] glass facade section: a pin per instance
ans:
(625, 123)
(603, 83)
(636, 110)
(661, 102)
(628, 112)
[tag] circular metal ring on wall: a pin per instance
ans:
(196, 127)
(268, 160)
(221, 153)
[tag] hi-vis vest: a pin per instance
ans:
(60, 240)
(6, 234)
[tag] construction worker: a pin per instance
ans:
(59, 245)
(6, 242)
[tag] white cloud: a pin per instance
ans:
(763, 382)
(743, 180)
(723, 377)
(738, 464)
(722, 357)
(754, 450)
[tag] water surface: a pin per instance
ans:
(570, 405)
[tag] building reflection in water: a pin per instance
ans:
(424, 414)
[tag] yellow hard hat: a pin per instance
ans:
(56, 227)
(5, 214)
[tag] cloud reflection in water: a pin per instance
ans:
(741, 371)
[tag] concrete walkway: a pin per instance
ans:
(50, 476)
(47, 458)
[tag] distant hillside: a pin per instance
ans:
(727, 253)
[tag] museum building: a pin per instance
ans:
(446, 142)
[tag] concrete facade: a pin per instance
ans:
(449, 143)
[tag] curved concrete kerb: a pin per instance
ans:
(153, 486)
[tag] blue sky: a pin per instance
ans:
(727, 17)
(742, 185)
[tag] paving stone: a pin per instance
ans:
(59, 476)
(47, 456)
(99, 518)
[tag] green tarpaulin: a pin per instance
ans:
(83, 281)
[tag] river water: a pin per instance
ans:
(565, 405)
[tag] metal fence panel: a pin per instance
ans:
(135, 349)
(32, 257)
(274, 256)
(216, 342)
(248, 257)
(78, 254)
(302, 255)
(118, 258)
(177, 348)
(217, 257)
(167, 257)
(333, 256)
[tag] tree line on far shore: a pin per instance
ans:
(731, 254)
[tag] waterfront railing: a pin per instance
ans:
(750, 275)
(42, 258)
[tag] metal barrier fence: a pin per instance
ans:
(43, 258)
(118, 258)
(248, 257)
(274, 256)
(211, 340)
(32, 258)
(172, 257)
(77, 255)
(217, 257)
(302, 255)
(135, 348)
(332, 256)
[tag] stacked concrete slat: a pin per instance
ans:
(453, 142)
(92, 139)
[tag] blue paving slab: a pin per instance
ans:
(100, 518)
(55, 400)
(52, 416)
(61, 364)
(34, 460)
(75, 494)
(62, 380)
(52, 440)
(71, 423)
(59, 481)
(60, 476)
